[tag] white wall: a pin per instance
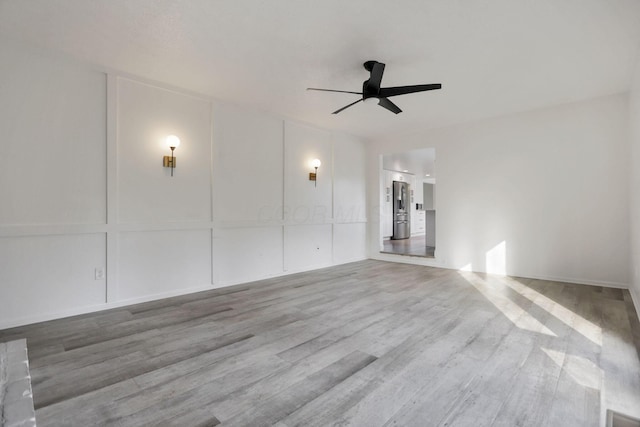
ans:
(634, 122)
(537, 194)
(268, 215)
(84, 190)
(52, 206)
(51, 114)
(349, 199)
(146, 193)
(307, 205)
(161, 228)
(248, 197)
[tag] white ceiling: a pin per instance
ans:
(492, 57)
(418, 162)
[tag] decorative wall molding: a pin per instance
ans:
(224, 148)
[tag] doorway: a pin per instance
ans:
(408, 203)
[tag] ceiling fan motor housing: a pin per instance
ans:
(372, 89)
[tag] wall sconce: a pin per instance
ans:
(313, 175)
(170, 161)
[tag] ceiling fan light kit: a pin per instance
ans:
(373, 93)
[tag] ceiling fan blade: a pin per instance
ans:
(347, 106)
(377, 69)
(402, 90)
(385, 103)
(331, 90)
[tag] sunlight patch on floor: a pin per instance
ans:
(512, 311)
(583, 371)
(584, 327)
(467, 267)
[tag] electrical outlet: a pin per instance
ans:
(99, 273)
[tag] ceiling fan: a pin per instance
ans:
(372, 92)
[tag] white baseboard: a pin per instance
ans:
(435, 262)
(428, 262)
(350, 260)
(224, 284)
(635, 297)
(578, 281)
(28, 320)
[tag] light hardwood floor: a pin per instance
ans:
(367, 344)
(413, 246)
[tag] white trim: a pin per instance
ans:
(635, 298)
(50, 229)
(283, 273)
(573, 280)
(111, 238)
(114, 229)
(65, 229)
(349, 261)
(249, 223)
(434, 262)
(23, 321)
(164, 226)
(428, 262)
(409, 259)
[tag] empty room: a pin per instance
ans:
(297, 213)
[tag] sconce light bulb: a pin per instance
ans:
(173, 141)
(316, 163)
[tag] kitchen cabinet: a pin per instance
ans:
(418, 223)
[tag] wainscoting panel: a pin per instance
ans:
(245, 254)
(41, 276)
(157, 263)
(307, 247)
(349, 242)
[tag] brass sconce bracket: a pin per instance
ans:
(313, 176)
(169, 162)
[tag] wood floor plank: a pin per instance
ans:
(404, 352)
(150, 405)
(634, 321)
(618, 360)
(95, 376)
(485, 398)
(279, 406)
(370, 343)
(577, 395)
(397, 386)
(528, 403)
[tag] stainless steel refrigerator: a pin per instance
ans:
(401, 209)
